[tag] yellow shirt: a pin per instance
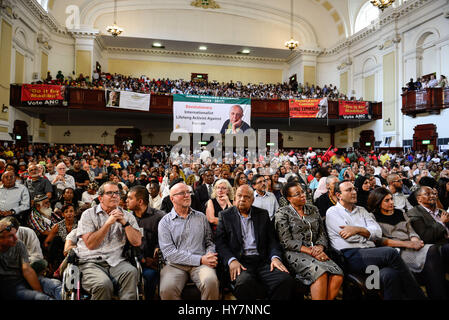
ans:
(384, 158)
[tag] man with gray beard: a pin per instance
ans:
(40, 217)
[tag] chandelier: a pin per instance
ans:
(382, 4)
(292, 44)
(115, 30)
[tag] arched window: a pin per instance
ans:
(367, 13)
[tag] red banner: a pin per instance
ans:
(353, 109)
(308, 108)
(39, 92)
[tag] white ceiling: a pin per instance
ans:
(260, 25)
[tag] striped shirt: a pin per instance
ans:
(185, 241)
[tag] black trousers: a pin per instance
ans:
(258, 281)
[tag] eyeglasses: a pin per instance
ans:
(184, 193)
(350, 190)
(112, 193)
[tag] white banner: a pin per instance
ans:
(205, 114)
(128, 100)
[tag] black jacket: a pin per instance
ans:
(426, 227)
(229, 240)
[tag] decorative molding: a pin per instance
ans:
(194, 55)
(394, 14)
(345, 64)
(205, 4)
(43, 39)
(42, 15)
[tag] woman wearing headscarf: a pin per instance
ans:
(363, 185)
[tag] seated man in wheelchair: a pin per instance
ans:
(102, 233)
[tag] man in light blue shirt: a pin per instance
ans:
(14, 198)
(353, 230)
(185, 240)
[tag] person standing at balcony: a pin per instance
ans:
(433, 82)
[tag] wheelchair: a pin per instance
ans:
(72, 277)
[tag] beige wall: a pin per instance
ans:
(309, 75)
(301, 139)
(84, 63)
(156, 70)
(5, 66)
(368, 90)
(83, 134)
(44, 65)
(20, 59)
(344, 83)
(389, 91)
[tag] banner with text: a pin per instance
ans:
(308, 108)
(42, 95)
(128, 100)
(206, 114)
(354, 110)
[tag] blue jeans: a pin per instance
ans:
(151, 278)
(396, 279)
(51, 290)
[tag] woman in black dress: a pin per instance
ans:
(222, 195)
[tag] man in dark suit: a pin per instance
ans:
(431, 223)
(204, 190)
(246, 244)
(235, 123)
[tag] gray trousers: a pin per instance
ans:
(97, 280)
(175, 276)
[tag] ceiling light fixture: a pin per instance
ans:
(203, 48)
(292, 44)
(245, 51)
(382, 4)
(115, 30)
(157, 45)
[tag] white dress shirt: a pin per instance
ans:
(337, 216)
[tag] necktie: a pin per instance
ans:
(209, 190)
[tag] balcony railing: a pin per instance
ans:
(431, 100)
(90, 99)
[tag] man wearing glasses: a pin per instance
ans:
(103, 232)
(400, 200)
(185, 240)
(263, 198)
(353, 230)
(36, 184)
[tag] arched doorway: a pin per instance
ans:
(20, 132)
(425, 137)
(367, 140)
(127, 134)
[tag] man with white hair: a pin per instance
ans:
(185, 239)
(62, 180)
(36, 184)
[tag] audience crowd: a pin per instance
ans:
(144, 84)
(257, 229)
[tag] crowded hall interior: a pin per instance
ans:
(224, 150)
